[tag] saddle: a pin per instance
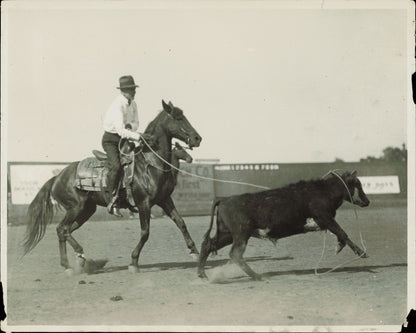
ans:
(92, 173)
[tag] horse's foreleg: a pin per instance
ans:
(170, 209)
(144, 214)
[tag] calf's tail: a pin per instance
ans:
(215, 204)
(40, 214)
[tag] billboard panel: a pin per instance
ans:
(380, 184)
(27, 179)
(194, 195)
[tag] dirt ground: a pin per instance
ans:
(167, 290)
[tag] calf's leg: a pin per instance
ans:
(209, 245)
(342, 236)
(236, 254)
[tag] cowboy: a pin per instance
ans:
(120, 121)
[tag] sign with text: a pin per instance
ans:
(380, 184)
(193, 195)
(27, 179)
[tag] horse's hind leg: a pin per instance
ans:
(170, 209)
(74, 219)
(63, 231)
(86, 213)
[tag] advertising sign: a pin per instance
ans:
(380, 184)
(194, 195)
(27, 179)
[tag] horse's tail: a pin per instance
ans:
(40, 214)
(215, 204)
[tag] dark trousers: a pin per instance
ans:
(110, 144)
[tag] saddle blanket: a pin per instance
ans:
(91, 175)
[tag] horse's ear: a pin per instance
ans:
(165, 106)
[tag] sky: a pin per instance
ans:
(259, 82)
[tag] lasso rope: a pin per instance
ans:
(268, 188)
(198, 176)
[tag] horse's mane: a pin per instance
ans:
(150, 129)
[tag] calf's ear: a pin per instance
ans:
(354, 173)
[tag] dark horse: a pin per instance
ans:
(153, 183)
(282, 212)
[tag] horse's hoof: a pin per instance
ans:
(91, 266)
(78, 269)
(134, 269)
(69, 272)
(200, 281)
(364, 255)
(194, 256)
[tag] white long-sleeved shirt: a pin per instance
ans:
(119, 114)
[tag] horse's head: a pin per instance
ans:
(355, 188)
(179, 127)
(181, 154)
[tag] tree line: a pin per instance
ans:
(389, 154)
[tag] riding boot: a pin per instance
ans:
(113, 208)
(133, 209)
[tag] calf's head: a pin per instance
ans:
(356, 192)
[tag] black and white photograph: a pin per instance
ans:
(207, 166)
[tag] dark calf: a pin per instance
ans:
(297, 208)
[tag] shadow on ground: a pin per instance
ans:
(352, 269)
(266, 276)
(184, 264)
(215, 263)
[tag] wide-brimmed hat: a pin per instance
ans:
(127, 81)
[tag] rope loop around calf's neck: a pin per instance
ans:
(324, 241)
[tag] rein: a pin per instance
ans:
(141, 152)
(156, 167)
